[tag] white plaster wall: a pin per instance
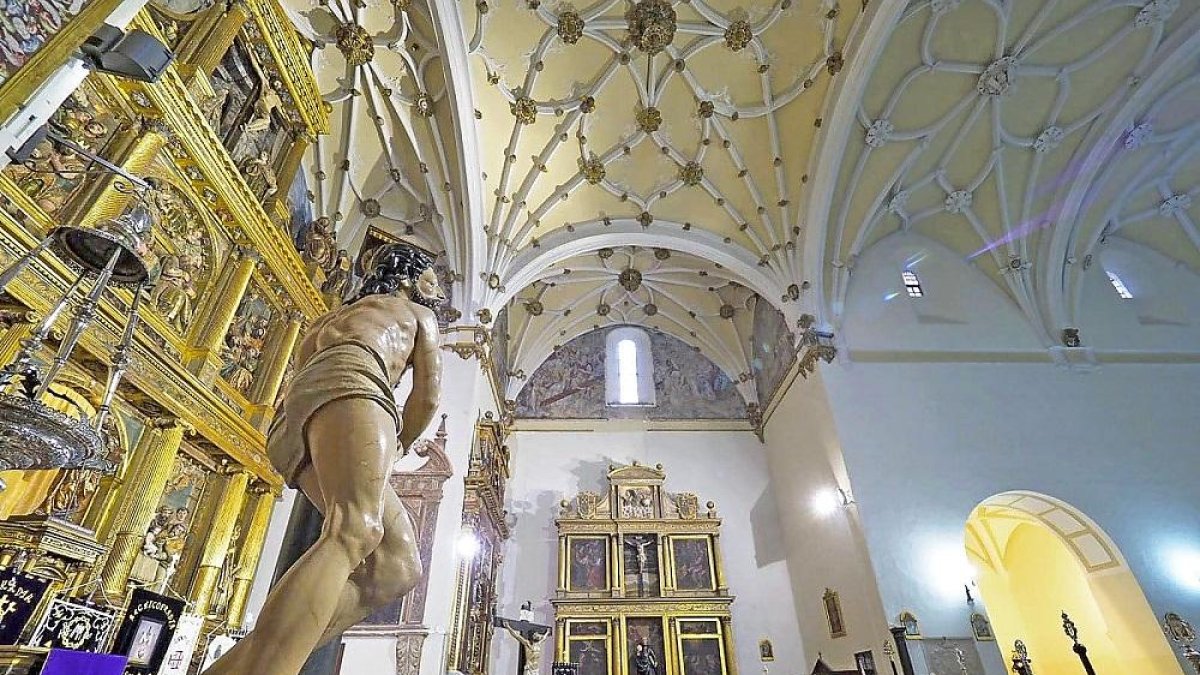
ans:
(729, 468)
(824, 548)
(270, 555)
(924, 443)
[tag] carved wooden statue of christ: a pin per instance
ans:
(335, 436)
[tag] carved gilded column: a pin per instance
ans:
(208, 331)
(220, 534)
(134, 150)
(204, 46)
(271, 372)
(289, 164)
(247, 562)
(149, 469)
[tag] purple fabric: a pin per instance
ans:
(67, 662)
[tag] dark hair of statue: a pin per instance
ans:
(397, 267)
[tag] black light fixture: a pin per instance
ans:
(136, 55)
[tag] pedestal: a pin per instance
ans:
(22, 660)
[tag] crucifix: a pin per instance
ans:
(531, 636)
(643, 559)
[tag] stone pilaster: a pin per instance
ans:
(248, 556)
(220, 535)
(203, 357)
(149, 469)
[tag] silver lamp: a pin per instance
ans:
(114, 253)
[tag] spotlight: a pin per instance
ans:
(467, 544)
(829, 500)
(136, 55)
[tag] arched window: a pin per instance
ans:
(629, 368)
(912, 284)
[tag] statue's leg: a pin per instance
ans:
(352, 443)
(387, 575)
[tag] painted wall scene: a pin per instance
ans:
(571, 385)
(773, 353)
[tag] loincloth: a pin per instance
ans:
(346, 371)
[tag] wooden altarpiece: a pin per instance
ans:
(484, 519)
(640, 565)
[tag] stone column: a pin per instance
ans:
(270, 374)
(203, 357)
(134, 149)
(149, 469)
(203, 47)
(220, 534)
(247, 562)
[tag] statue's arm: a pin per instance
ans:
(427, 379)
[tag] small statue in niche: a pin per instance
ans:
(267, 103)
(644, 661)
(260, 175)
(213, 108)
(337, 282)
(320, 243)
(175, 292)
(71, 490)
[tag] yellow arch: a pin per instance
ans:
(1038, 556)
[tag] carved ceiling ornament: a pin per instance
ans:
(630, 279)
(592, 169)
(524, 110)
(691, 174)
(997, 77)
(652, 25)
(570, 26)
(1155, 12)
(738, 35)
(423, 105)
(353, 41)
(649, 119)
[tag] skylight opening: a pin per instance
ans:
(1121, 288)
(912, 284)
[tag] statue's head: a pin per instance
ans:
(404, 268)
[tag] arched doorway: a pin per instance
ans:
(1037, 556)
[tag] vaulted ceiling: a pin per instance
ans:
(693, 299)
(764, 145)
(1019, 134)
(393, 158)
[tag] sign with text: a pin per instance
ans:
(149, 623)
(20, 594)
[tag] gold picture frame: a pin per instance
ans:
(588, 567)
(693, 565)
(700, 645)
(766, 651)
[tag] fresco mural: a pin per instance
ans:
(25, 27)
(570, 384)
(500, 345)
(773, 351)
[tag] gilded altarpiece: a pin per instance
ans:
(642, 566)
(186, 509)
(483, 523)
